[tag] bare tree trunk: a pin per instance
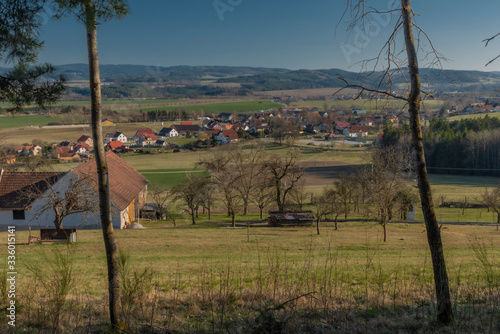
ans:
(317, 225)
(102, 167)
(193, 216)
(444, 307)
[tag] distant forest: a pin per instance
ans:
(466, 147)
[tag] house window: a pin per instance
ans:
(18, 214)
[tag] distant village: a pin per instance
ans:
(226, 128)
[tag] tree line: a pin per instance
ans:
(466, 147)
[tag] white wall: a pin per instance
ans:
(35, 218)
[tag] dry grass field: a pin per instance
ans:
(209, 278)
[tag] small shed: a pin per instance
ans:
(280, 218)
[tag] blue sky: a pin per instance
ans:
(292, 34)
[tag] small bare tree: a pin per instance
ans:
(189, 193)
(298, 197)
(492, 201)
(161, 197)
(247, 163)
(322, 206)
(283, 174)
(261, 195)
(227, 178)
(75, 196)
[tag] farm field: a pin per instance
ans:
(216, 108)
(17, 121)
(459, 117)
(107, 102)
(311, 92)
(17, 136)
(349, 271)
(368, 105)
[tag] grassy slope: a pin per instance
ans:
(239, 107)
(457, 118)
(368, 105)
(185, 249)
(26, 120)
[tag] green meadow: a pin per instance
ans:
(228, 107)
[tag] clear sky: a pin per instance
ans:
(291, 34)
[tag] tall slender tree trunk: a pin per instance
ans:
(444, 307)
(102, 167)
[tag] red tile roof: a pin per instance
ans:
(233, 135)
(125, 183)
(84, 145)
(83, 138)
(358, 128)
(114, 144)
(145, 132)
(14, 187)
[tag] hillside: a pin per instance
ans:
(445, 80)
(140, 81)
(143, 73)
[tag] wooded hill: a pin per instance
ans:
(140, 81)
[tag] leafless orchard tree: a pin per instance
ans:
(247, 163)
(190, 193)
(283, 174)
(386, 186)
(261, 195)
(228, 177)
(343, 189)
(74, 197)
(161, 197)
(298, 196)
(323, 207)
(403, 60)
(492, 201)
(338, 196)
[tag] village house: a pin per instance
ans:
(116, 136)
(128, 193)
(225, 117)
(116, 146)
(10, 159)
(87, 140)
(143, 132)
(29, 150)
(226, 136)
(81, 149)
(355, 131)
(161, 143)
(212, 125)
(183, 129)
(107, 122)
(341, 125)
(169, 132)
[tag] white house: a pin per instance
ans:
(169, 132)
(226, 136)
(128, 193)
(117, 136)
(355, 131)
